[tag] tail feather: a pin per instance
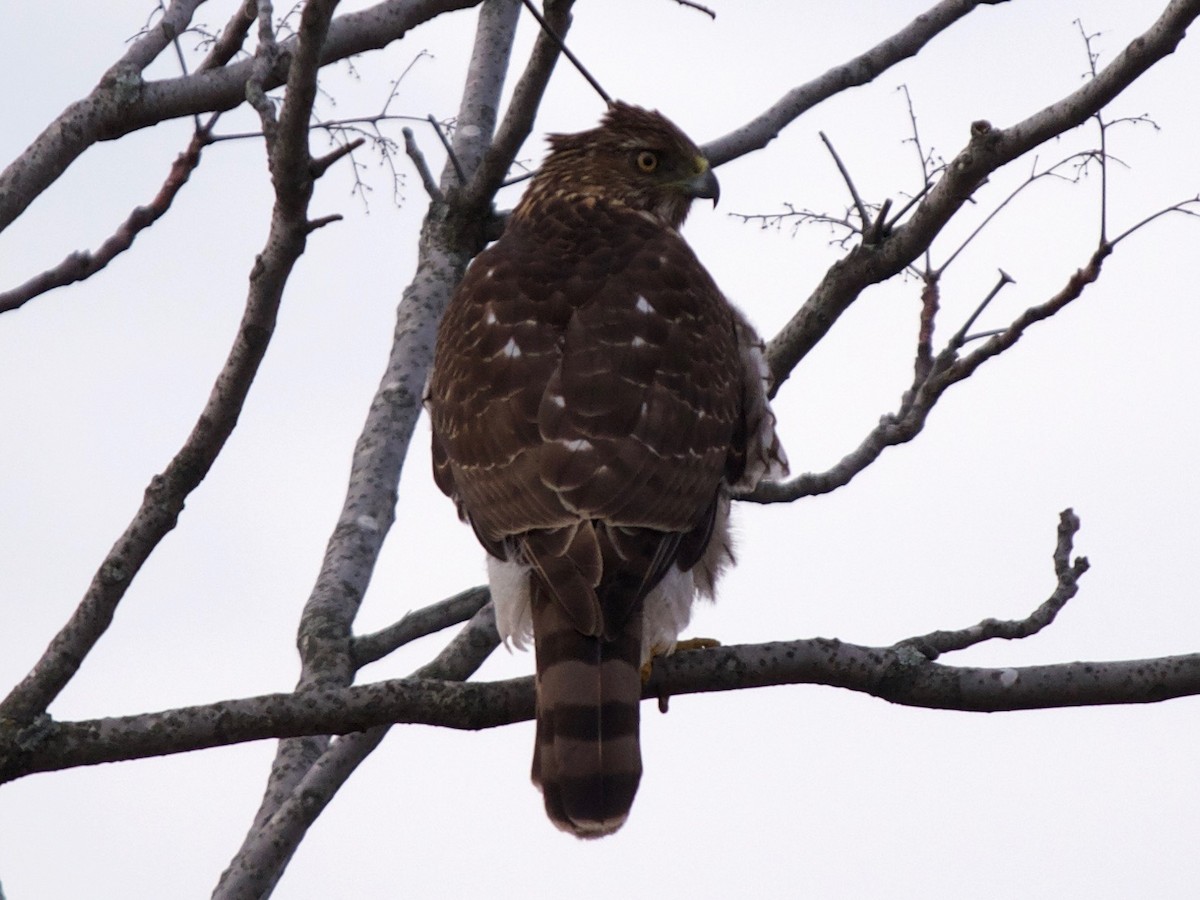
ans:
(587, 758)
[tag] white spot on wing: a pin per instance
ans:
(637, 342)
(577, 444)
(643, 305)
(490, 318)
(511, 350)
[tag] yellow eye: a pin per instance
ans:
(647, 161)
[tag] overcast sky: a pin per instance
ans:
(794, 791)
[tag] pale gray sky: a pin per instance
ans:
(796, 791)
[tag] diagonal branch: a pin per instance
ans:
(82, 264)
(417, 624)
(523, 107)
(864, 68)
(932, 379)
(164, 498)
(988, 149)
(231, 38)
(123, 102)
(451, 234)
(269, 847)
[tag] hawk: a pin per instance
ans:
(595, 400)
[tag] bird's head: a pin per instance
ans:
(635, 157)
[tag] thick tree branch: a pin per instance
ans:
(899, 674)
(903, 673)
(522, 108)
(450, 236)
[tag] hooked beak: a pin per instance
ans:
(704, 186)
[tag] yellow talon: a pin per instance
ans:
(697, 643)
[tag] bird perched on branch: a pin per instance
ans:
(595, 399)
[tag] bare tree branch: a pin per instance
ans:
(903, 673)
(936, 643)
(231, 38)
(417, 624)
(451, 234)
(82, 265)
(899, 674)
(989, 149)
(268, 848)
(154, 40)
(548, 30)
(858, 202)
(122, 102)
(522, 108)
(905, 43)
(930, 381)
(166, 494)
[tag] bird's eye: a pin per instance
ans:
(647, 161)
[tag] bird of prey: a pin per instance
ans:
(595, 400)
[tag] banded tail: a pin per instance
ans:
(587, 759)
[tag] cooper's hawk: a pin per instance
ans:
(594, 401)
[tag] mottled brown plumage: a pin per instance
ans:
(594, 399)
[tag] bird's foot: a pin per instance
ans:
(696, 643)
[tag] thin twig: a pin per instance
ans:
(1079, 160)
(83, 264)
(858, 203)
(927, 389)
(458, 169)
(418, 158)
(566, 51)
(1068, 573)
(1093, 57)
(1181, 207)
(960, 336)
